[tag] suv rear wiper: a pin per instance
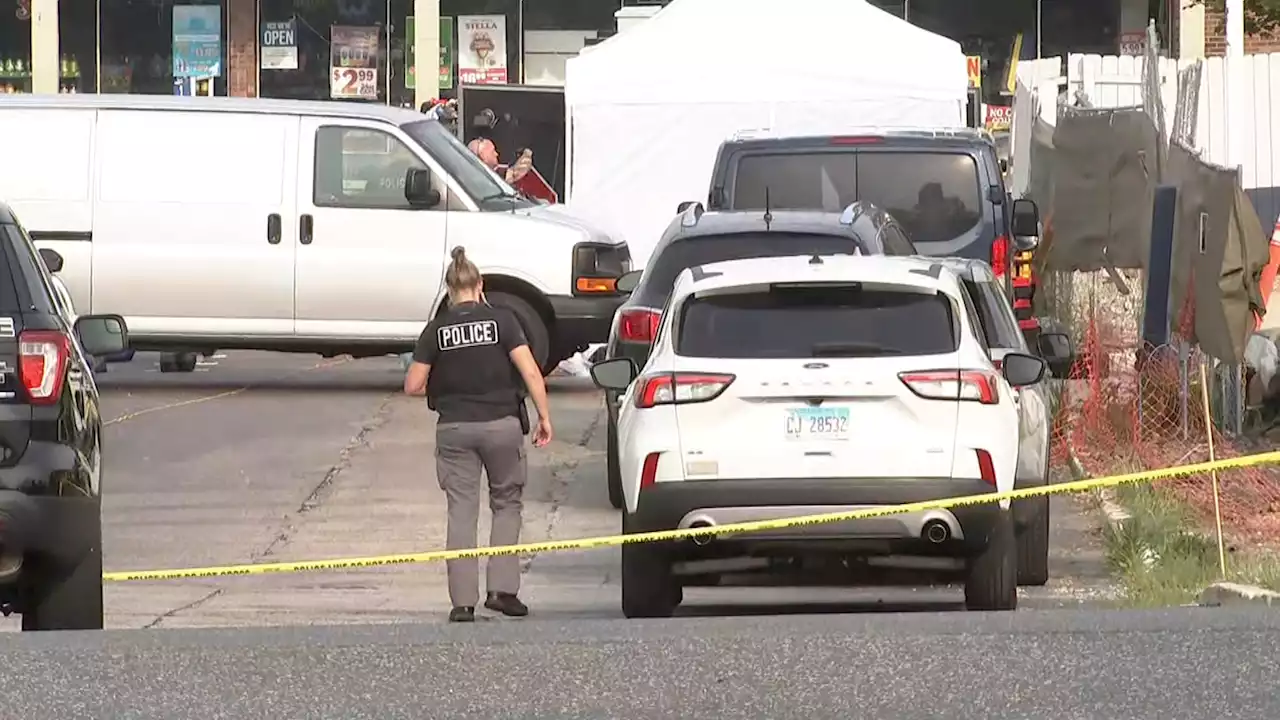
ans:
(851, 349)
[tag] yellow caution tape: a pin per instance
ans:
(1268, 458)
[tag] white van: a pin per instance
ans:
(317, 227)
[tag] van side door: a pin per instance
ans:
(369, 265)
(189, 219)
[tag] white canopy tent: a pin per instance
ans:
(647, 109)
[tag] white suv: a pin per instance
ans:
(790, 386)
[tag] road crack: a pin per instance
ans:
(182, 608)
(321, 492)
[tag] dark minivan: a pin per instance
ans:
(945, 187)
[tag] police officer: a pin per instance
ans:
(470, 362)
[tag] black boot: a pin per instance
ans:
(507, 604)
(462, 615)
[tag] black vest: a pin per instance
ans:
(473, 378)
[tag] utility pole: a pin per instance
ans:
(426, 50)
(46, 74)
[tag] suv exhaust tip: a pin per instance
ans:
(702, 540)
(936, 531)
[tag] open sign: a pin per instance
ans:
(279, 34)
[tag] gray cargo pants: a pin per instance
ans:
(462, 449)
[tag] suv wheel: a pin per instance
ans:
(1033, 547)
(62, 599)
(649, 588)
(992, 580)
(613, 473)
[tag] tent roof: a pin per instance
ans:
(709, 51)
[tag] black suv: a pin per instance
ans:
(945, 186)
(50, 444)
(696, 237)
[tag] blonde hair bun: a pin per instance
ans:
(458, 254)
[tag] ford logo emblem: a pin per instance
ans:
(815, 366)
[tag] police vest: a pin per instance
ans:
(473, 378)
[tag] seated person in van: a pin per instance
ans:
(938, 217)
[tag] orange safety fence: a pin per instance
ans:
(1127, 406)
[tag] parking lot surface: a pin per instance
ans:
(259, 457)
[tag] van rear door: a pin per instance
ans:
(936, 192)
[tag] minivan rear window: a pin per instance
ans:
(662, 271)
(935, 196)
(817, 321)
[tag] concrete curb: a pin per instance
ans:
(1223, 594)
(1111, 509)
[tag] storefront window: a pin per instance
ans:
(359, 45)
(78, 47)
(142, 47)
(15, 48)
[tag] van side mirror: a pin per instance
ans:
(52, 259)
(1025, 223)
(418, 190)
(1023, 370)
(615, 374)
(1057, 350)
(684, 206)
(102, 334)
(628, 283)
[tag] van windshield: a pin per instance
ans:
(489, 191)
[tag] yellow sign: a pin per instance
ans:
(974, 63)
(1011, 80)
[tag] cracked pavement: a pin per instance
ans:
(259, 457)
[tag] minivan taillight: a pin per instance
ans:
(639, 325)
(1000, 256)
(680, 388)
(42, 362)
(973, 385)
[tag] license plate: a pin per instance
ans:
(817, 424)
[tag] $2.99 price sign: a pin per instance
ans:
(350, 83)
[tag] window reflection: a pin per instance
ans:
(315, 20)
(137, 46)
(78, 47)
(15, 49)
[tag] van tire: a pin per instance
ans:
(62, 600)
(613, 469)
(177, 362)
(535, 328)
(992, 578)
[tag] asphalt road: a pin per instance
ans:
(1211, 664)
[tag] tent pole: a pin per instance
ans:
(1039, 26)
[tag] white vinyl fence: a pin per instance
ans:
(1114, 81)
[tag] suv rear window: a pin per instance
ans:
(660, 275)
(934, 195)
(817, 321)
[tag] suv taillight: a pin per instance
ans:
(42, 362)
(973, 385)
(680, 388)
(639, 325)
